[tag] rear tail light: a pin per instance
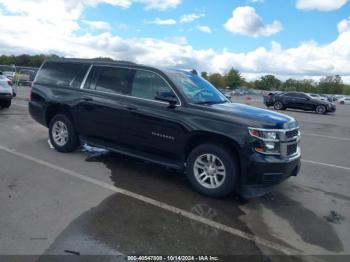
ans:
(10, 83)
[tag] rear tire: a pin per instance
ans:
(62, 134)
(278, 105)
(212, 170)
(5, 104)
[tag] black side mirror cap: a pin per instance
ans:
(167, 96)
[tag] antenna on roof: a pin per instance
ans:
(194, 71)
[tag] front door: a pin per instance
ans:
(150, 125)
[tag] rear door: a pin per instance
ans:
(100, 106)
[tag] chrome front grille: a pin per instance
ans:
(289, 142)
(292, 149)
(292, 133)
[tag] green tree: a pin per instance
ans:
(217, 80)
(268, 82)
(233, 79)
(331, 85)
(205, 75)
(346, 90)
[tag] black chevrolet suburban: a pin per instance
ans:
(171, 117)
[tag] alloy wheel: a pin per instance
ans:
(209, 171)
(60, 133)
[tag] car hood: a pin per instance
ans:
(257, 117)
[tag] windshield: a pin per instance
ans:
(196, 88)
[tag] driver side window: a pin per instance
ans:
(147, 85)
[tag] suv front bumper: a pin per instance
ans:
(264, 172)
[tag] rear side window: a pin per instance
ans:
(114, 80)
(147, 84)
(62, 74)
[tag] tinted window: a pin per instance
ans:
(290, 94)
(301, 95)
(89, 83)
(147, 85)
(78, 79)
(113, 80)
(61, 74)
(196, 88)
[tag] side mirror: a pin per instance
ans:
(167, 96)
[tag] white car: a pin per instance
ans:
(317, 96)
(6, 91)
(345, 101)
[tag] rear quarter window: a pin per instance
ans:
(62, 74)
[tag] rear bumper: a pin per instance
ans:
(265, 172)
(5, 96)
(37, 112)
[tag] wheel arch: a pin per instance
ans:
(55, 109)
(198, 138)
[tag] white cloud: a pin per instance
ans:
(159, 4)
(204, 29)
(246, 21)
(344, 25)
(61, 28)
(98, 25)
(190, 18)
(159, 21)
(320, 5)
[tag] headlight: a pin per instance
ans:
(264, 135)
(269, 141)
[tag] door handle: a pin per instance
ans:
(87, 99)
(130, 107)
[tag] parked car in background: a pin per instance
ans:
(344, 101)
(6, 91)
(8, 71)
(320, 97)
(327, 97)
(170, 117)
(298, 100)
(227, 93)
(269, 98)
(25, 77)
(338, 97)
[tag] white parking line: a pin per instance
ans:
(16, 104)
(178, 211)
(325, 164)
(330, 137)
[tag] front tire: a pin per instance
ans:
(278, 105)
(212, 170)
(5, 104)
(62, 134)
(321, 109)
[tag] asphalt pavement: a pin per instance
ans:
(109, 204)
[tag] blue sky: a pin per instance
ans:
(288, 38)
(298, 25)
